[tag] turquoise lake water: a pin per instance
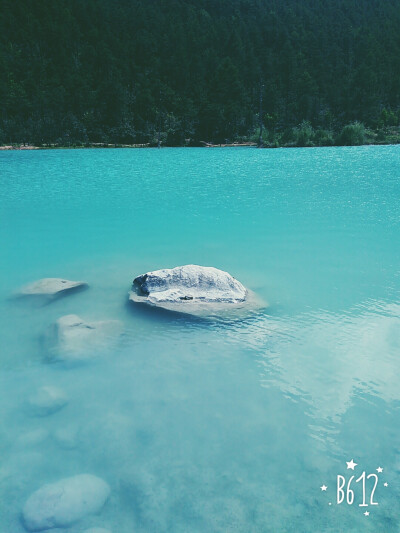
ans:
(224, 425)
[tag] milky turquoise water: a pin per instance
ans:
(221, 425)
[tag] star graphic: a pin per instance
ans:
(366, 513)
(351, 464)
(379, 469)
(323, 488)
(385, 484)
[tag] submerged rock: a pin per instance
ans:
(66, 437)
(33, 438)
(47, 400)
(73, 338)
(190, 288)
(51, 287)
(64, 503)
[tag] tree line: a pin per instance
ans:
(178, 72)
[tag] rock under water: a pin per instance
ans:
(47, 400)
(65, 502)
(51, 287)
(73, 338)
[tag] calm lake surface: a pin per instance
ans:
(208, 425)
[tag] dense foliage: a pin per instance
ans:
(135, 71)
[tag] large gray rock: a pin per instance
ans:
(51, 287)
(189, 283)
(73, 338)
(47, 400)
(65, 502)
(190, 288)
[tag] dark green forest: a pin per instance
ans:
(310, 72)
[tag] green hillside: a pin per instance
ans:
(185, 71)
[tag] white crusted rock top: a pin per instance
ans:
(65, 502)
(50, 287)
(73, 338)
(194, 290)
(189, 283)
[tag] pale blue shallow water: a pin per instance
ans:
(221, 425)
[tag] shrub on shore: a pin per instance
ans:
(352, 135)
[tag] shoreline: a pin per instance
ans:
(10, 148)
